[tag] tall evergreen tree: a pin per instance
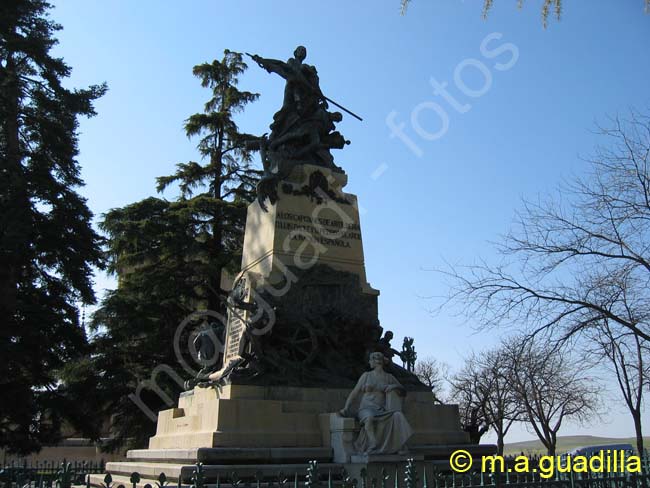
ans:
(47, 245)
(169, 257)
(214, 195)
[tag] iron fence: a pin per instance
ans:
(411, 474)
(47, 474)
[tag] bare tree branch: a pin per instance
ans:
(484, 386)
(550, 388)
(432, 373)
(579, 259)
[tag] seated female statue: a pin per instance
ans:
(384, 428)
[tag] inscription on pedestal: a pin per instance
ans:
(329, 232)
(234, 336)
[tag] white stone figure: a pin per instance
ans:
(384, 428)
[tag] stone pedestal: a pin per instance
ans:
(248, 428)
(246, 416)
(274, 416)
(431, 424)
(314, 222)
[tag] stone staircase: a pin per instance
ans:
(220, 463)
(265, 464)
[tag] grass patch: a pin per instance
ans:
(566, 443)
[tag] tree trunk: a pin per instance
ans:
(636, 415)
(552, 442)
(500, 444)
(14, 236)
(215, 301)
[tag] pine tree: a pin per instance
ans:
(215, 195)
(169, 257)
(47, 245)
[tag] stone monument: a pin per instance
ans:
(302, 325)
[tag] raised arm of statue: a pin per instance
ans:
(292, 69)
(273, 66)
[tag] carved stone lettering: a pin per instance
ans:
(329, 232)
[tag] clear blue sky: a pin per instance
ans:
(518, 111)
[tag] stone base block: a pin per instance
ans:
(249, 462)
(232, 455)
(149, 472)
(246, 429)
(246, 416)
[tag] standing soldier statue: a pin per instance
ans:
(303, 130)
(408, 354)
